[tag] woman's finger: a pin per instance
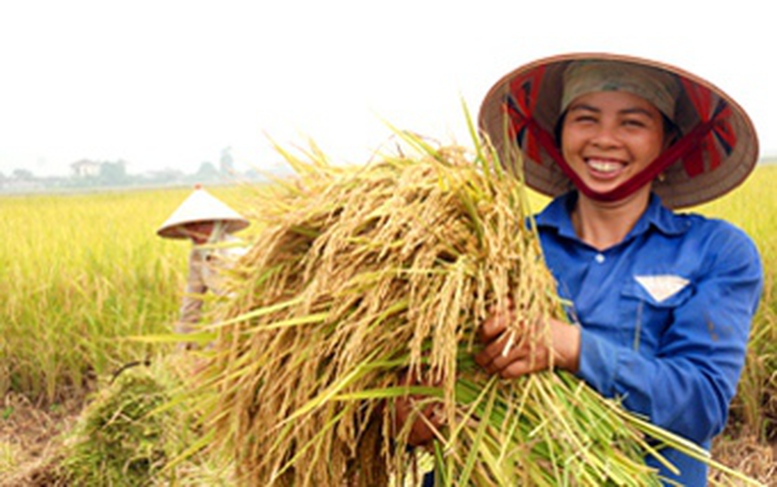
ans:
(491, 328)
(492, 348)
(498, 353)
(496, 323)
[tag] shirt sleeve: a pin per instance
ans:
(687, 386)
(191, 307)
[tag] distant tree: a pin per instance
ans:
(207, 172)
(113, 172)
(22, 174)
(166, 175)
(226, 163)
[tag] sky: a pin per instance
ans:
(170, 84)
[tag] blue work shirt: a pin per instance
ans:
(664, 317)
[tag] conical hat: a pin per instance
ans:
(201, 206)
(522, 110)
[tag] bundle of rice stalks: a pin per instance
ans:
(363, 275)
(127, 434)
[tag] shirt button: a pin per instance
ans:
(599, 258)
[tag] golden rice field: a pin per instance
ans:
(80, 273)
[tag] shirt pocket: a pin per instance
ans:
(645, 318)
(633, 290)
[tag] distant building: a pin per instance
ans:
(85, 168)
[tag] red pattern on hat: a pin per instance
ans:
(721, 134)
(521, 106)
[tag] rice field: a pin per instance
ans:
(81, 273)
(753, 207)
(78, 274)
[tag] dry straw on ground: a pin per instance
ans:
(361, 274)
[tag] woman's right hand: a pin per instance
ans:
(510, 356)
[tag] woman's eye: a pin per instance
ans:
(585, 118)
(634, 123)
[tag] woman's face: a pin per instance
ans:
(198, 232)
(608, 137)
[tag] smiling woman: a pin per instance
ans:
(663, 301)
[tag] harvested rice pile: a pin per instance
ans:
(139, 430)
(117, 440)
(362, 274)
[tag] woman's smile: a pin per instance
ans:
(608, 137)
(604, 168)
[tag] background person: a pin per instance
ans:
(209, 224)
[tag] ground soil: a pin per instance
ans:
(31, 440)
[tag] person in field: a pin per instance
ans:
(660, 302)
(209, 224)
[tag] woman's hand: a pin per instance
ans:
(427, 422)
(510, 355)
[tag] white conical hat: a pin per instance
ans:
(201, 206)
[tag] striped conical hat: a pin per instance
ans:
(201, 206)
(716, 151)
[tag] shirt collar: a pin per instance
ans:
(557, 216)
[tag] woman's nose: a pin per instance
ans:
(606, 136)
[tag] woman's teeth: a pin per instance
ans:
(604, 166)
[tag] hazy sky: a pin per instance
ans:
(169, 84)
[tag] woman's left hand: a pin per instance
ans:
(426, 422)
(510, 355)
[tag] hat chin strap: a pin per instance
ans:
(676, 151)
